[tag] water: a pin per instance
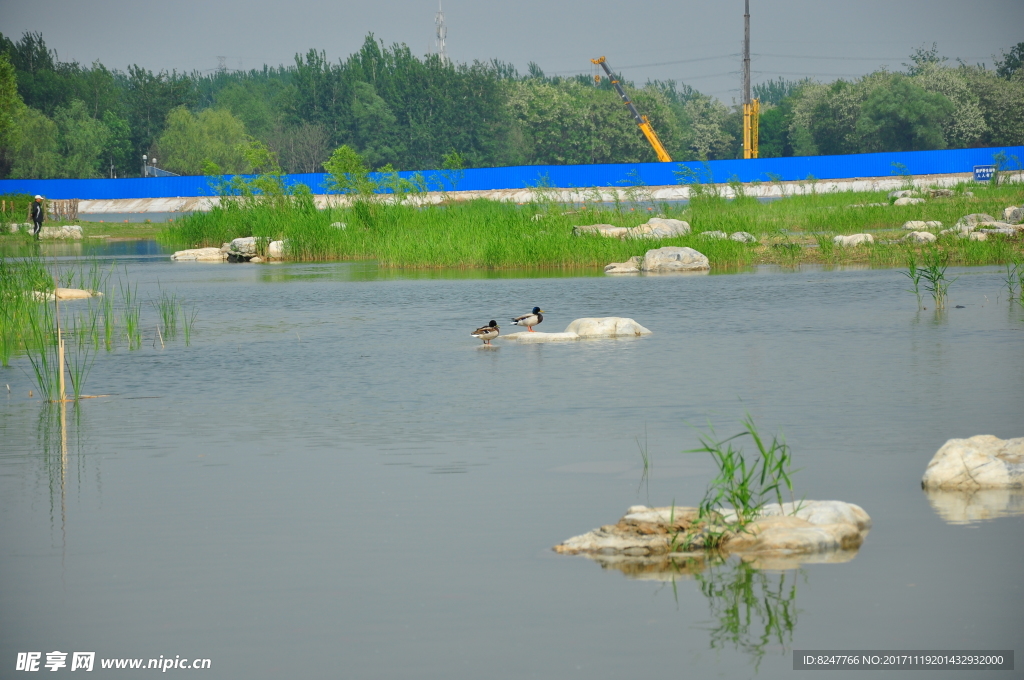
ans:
(335, 480)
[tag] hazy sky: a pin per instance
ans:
(696, 42)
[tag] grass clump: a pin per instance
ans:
(744, 484)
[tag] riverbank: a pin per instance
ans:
(494, 234)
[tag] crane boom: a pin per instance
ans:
(642, 122)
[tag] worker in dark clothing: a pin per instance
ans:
(37, 216)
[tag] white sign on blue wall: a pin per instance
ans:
(983, 173)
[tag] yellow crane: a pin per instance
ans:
(641, 121)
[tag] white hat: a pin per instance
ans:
(38, 197)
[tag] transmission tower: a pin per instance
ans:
(442, 34)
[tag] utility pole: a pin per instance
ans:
(751, 107)
(442, 34)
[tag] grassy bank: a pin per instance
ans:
(491, 234)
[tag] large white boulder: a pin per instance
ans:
(200, 255)
(275, 250)
(980, 462)
(606, 327)
(806, 527)
(1013, 215)
(243, 247)
(852, 239)
(674, 259)
(908, 201)
(920, 237)
(73, 232)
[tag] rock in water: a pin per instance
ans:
(980, 462)
(200, 255)
(674, 259)
(606, 327)
(630, 266)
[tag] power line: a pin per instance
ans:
(660, 63)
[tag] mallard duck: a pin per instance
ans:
(487, 333)
(529, 320)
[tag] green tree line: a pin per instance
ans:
(64, 119)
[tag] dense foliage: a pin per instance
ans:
(63, 119)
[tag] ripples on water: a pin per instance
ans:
(335, 479)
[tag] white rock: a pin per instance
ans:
(630, 266)
(918, 225)
(975, 236)
(743, 237)
(606, 230)
(852, 239)
(920, 237)
(714, 234)
(15, 227)
(243, 247)
(606, 327)
(255, 259)
(980, 462)
(968, 222)
(903, 193)
(68, 232)
(908, 201)
(66, 294)
(200, 255)
(658, 228)
(275, 250)
(674, 259)
(1013, 215)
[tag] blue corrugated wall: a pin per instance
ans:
(519, 177)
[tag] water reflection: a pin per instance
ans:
(975, 505)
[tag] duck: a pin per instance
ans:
(529, 320)
(487, 333)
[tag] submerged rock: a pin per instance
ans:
(852, 239)
(908, 201)
(920, 237)
(65, 294)
(980, 462)
(200, 255)
(606, 327)
(803, 528)
(674, 259)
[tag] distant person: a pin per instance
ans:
(37, 216)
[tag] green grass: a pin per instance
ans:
(744, 484)
(497, 235)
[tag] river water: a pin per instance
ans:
(334, 480)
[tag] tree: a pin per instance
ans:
(1011, 61)
(34, 152)
(81, 140)
(118, 153)
(10, 104)
(149, 98)
(189, 142)
(904, 117)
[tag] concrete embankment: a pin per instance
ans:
(574, 195)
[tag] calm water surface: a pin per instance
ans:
(335, 481)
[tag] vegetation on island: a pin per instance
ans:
(65, 119)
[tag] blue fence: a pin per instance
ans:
(520, 177)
